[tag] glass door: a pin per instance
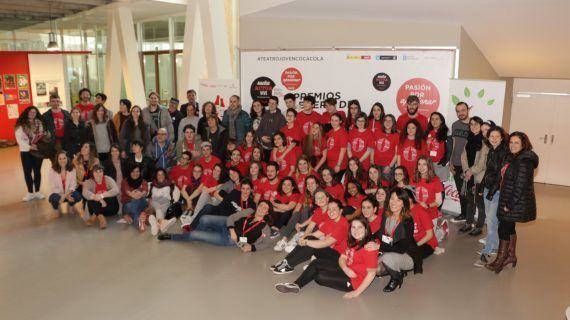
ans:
(159, 70)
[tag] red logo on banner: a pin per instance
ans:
(291, 78)
(425, 90)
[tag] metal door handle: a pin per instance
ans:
(545, 138)
(552, 139)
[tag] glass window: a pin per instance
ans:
(149, 73)
(165, 77)
(155, 36)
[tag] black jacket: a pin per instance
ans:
(403, 241)
(495, 161)
(147, 166)
(517, 189)
(219, 139)
(109, 168)
(75, 136)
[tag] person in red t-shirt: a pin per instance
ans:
(267, 188)
(423, 231)
(314, 144)
(374, 181)
(386, 146)
(283, 204)
(380, 196)
(353, 198)
(236, 161)
(354, 110)
(354, 172)
(411, 146)
(436, 138)
(361, 141)
(428, 187)
(370, 212)
(353, 272)
(292, 132)
(282, 155)
(181, 174)
(412, 106)
(331, 184)
(307, 116)
(302, 170)
(335, 153)
(330, 109)
(246, 147)
(255, 174)
(208, 160)
(376, 117)
(85, 104)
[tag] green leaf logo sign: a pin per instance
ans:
(467, 93)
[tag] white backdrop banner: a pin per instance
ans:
(218, 91)
(387, 77)
(486, 97)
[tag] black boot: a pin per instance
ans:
(164, 236)
(396, 280)
(466, 228)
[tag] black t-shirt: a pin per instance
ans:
(248, 227)
(232, 203)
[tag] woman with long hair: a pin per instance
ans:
(353, 197)
(352, 273)
(134, 129)
(335, 152)
(428, 187)
(208, 109)
(134, 190)
(63, 182)
(120, 117)
(376, 117)
(76, 133)
(84, 163)
(287, 198)
(436, 139)
(401, 177)
(29, 130)
(282, 155)
(102, 131)
(162, 195)
(411, 146)
(246, 146)
(256, 113)
(517, 201)
(386, 146)
(355, 172)
(331, 184)
(354, 110)
(314, 144)
(302, 170)
(374, 180)
(361, 141)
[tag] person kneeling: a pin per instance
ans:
(246, 229)
(353, 272)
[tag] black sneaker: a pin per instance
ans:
(277, 265)
(284, 268)
(466, 228)
(287, 288)
(460, 218)
(475, 232)
(274, 234)
(164, 236)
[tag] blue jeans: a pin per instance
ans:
(134, 208)
(492, 239)
(210, 229)
(54, 199)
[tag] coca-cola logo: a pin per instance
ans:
(357, 145)
(307, 126)
(383, 144)
(451, 193)
(330, 143)
(410, 153)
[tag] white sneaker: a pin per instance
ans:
(297, 236)
(28, 197)
(153, 225)
(280, 245)
(40, 196)
(483, 241)
(166, 224)
(289, 247)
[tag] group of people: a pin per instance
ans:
(358, 195)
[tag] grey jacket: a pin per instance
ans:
(89, 188)
(164, 121)
(480, 164)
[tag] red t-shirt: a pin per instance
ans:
(336, 191)
(300, 179)
(58, 122)
(256, 184)
(422, 223)
(267, 190)
(85, 109)
(376, 223)
(409, 154)
(293, 134)
(305, 121)
(209, 182)
(336, 140)
(100, 187)
(435, 149)
(404, 118)
(285, 199)
(359, 144)
(338, 230)
(360, 261)
(181, 176)
(245, 153)
(326, 117)
(285, 164)
(242, 167)
(374, 125)
(356, 201)
(318, 147)
(426, 192)
(385, 147)
(319, 217)
(209, 166)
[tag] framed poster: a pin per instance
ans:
(23, 81)
(41, 89)
(24, 96)
(9, 81)
(12, 110)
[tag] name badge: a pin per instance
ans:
(243, 240)
(386, 239)
(433, 153)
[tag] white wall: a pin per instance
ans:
(472, 62)
(47, 68)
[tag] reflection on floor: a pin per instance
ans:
(63, 270)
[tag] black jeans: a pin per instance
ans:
(296, 217)
(280, 219)
(457, 177)
(426, 250)
(506, 229)
(475, 201)
(32, 164)
(110, 209)
(326, 273)
(304, 253)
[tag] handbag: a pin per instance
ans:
(175, 208)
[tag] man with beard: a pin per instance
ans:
(459, 132)
(191, 96)
(412, 105)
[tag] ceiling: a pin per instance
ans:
(23, 13)
(520, 38)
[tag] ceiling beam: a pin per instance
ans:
(44, 6)
(95, 3)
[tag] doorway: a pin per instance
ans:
(160, 73)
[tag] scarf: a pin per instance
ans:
(134, 183)
(474, 144)
(233, 117)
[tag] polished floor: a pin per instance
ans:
(63, 270)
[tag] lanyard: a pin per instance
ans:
(241, 203)
(393, 229)
(244, 231)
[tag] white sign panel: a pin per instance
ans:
(218, 91)
(487, 98)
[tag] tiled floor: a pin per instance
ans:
(63, 270)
